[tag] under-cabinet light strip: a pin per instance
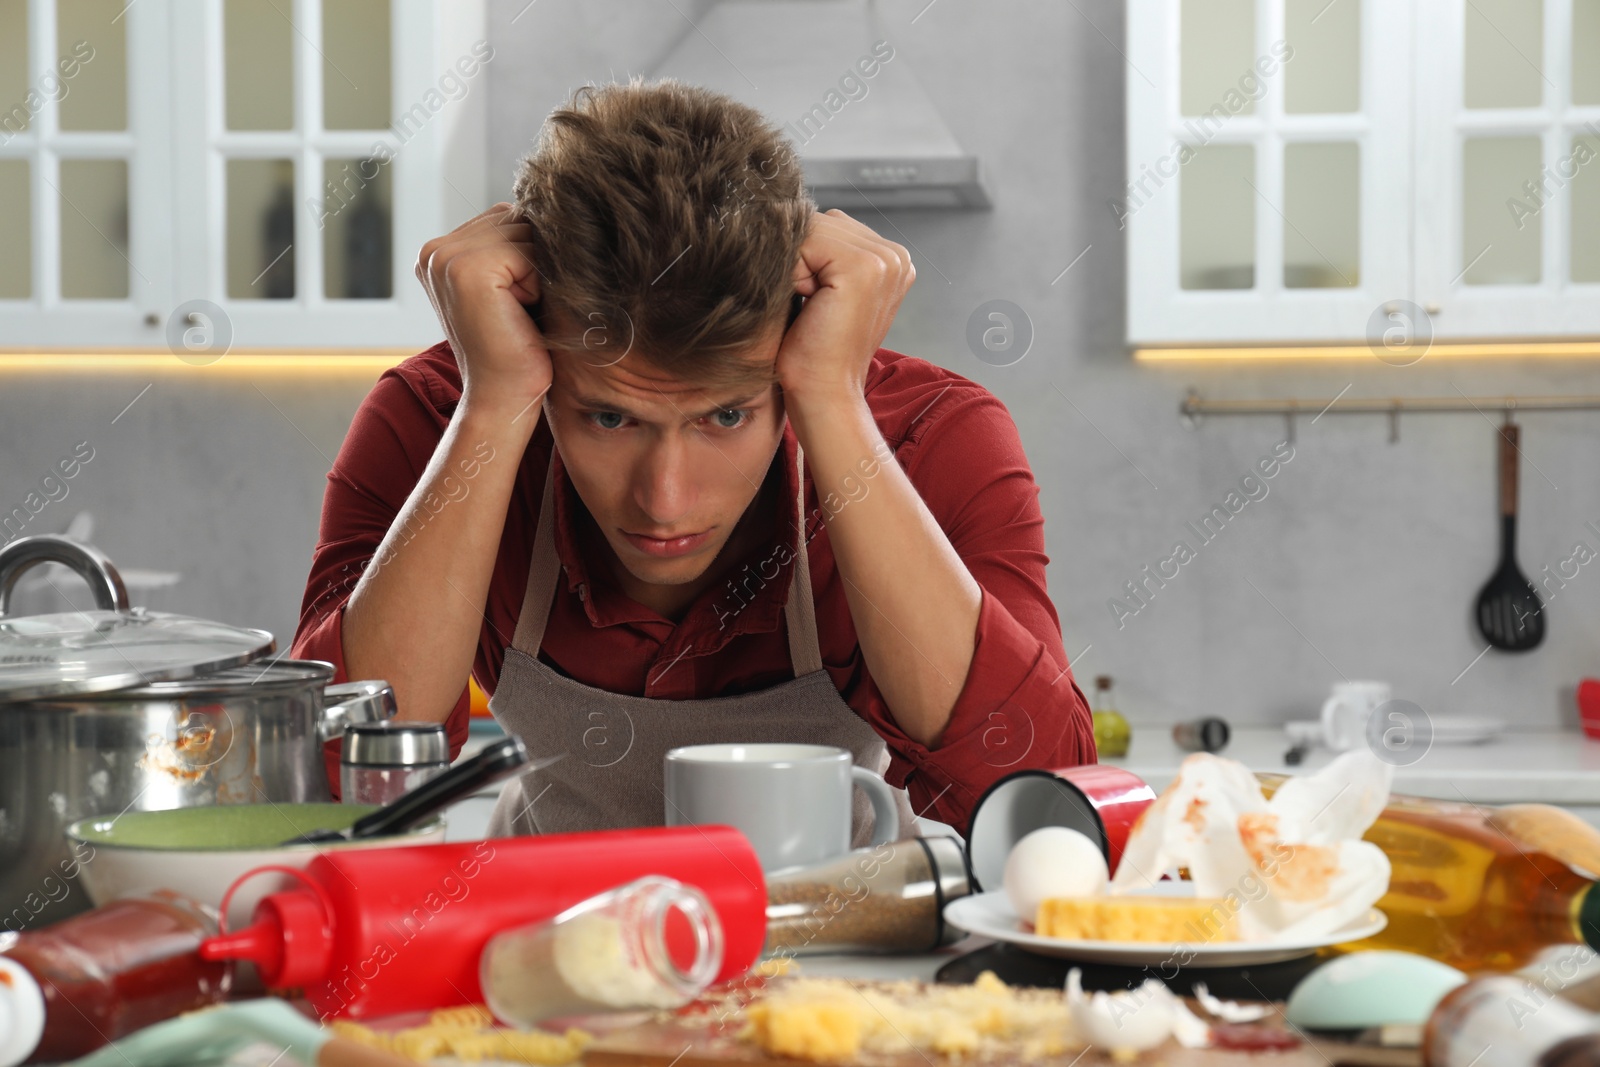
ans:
(299, 363)
(1301, 353)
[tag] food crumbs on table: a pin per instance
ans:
(474, 1016)
(777, 967)
(468, 1033)
(833, 1019)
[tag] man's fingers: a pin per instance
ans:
(835, 246)
(836, 222)
(498, 213)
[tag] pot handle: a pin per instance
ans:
(88, 562)
(368, 701)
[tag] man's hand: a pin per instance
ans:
(479, 277)
(853, 281)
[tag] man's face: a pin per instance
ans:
(665, 466)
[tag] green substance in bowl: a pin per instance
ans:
(222, 827)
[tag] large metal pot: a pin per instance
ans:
(122, 709)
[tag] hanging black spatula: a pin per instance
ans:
(1510, 614)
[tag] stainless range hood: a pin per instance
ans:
(865, 141)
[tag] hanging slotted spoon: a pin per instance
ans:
(1510, 614)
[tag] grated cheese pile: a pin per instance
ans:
(834, 1020)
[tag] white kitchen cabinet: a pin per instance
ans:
(248, 174)
(1329, 171)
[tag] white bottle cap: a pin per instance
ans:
(21, 1013)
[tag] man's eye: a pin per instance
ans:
(730, 419)
(606, 420)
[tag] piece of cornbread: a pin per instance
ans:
(1136, 918)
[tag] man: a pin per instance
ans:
(661, 485)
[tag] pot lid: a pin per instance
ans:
(260, 676)
(81, 652)
(113, 647)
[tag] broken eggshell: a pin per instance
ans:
(1133, 1020)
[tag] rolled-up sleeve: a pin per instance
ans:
(1019, 707)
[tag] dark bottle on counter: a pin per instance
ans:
(69, 988)
(888, 898)
(1202, 735)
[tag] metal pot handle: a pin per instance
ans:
(88, 562)
(368, 701)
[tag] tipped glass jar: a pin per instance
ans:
(654, 943)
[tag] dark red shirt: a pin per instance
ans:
(956, 442)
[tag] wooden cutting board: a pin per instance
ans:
(676, 1045)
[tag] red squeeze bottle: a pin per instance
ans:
(383, 931)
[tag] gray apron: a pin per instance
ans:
(613, 746)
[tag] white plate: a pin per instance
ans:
(1438, 730)
(991, 915)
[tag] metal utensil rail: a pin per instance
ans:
(1195, 407)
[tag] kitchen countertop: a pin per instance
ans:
(1519, 766)
(1551, 767)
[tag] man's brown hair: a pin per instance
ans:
(667, 221)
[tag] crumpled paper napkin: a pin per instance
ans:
(1292, 867)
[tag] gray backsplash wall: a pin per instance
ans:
(1362, 560)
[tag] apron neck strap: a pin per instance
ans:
(544, 570)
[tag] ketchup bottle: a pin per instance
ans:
(382, 931)
(71, 987)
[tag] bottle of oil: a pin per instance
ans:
(1468, 892)
(1111, 731)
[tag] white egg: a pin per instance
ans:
(1053, 862)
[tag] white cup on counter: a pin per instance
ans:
(794, 802)
(1346, 711)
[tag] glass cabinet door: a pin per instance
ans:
(1263, 139)
(1508, 169)
(312, 121)
(80, 209)
(265, 167)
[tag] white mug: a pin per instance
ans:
(1345, 713)
(793, 802)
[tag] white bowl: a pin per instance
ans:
(200, 852)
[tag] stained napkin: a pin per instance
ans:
(1287, 868)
